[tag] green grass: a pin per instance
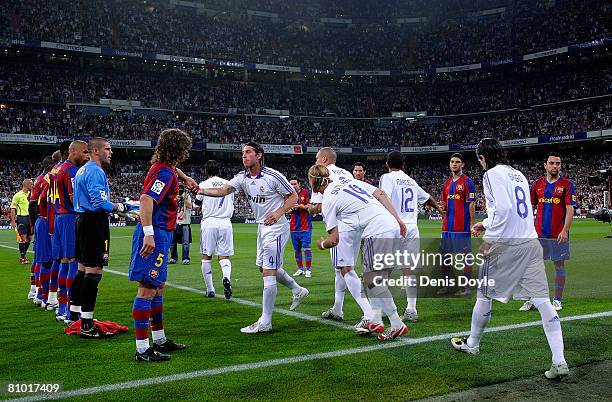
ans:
(34, 348)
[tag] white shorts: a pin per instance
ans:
(518, 272)
(411, 244)
(216, 237)
(346, 252)
(271, 242)
(377, 246)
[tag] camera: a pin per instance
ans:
(600, 177)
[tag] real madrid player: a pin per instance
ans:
(514, 264)
(271, 197)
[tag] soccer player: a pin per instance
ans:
(513, 265)
(183, 228)
(555, 199)
(344, 255)
(151, 241)
(359, 171)
(53, 199)
(406, 196)
(271, 197)
(301, 229)
(20, 219)
(216, 233)
(368, 211)
(65, 221)
(458, 203)
(92, 232)
(42, 241)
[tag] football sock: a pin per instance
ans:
(411, 292)
(481, 315)
(552, 328)
(141, 313)
(283, 277)
(270, 291)
(340, 285)
(308, 258)
(298, 259)
(89, 293)
(559, 282)
(157, 320)
(207, 274)
(226, 267)
(353, 284)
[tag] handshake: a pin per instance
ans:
(130, 210)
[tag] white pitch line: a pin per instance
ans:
(282, 311)
(287, 360)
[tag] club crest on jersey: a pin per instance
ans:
(459, 187)
(559, 190)
(158, 186)
(262, 189)
(154, 273)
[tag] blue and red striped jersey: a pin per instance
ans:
(457, 195)
(52, 197)
(301, 221)
(64, 182)
(161, 184)
(36, 191)
(551, 200)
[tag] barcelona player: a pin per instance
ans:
(555, 199)
(301, 229)
(458, 196)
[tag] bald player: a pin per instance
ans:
(20, 218)
(65, 221)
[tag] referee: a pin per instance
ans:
(20, 219)
(92, 204)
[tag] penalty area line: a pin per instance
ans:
(287, 360)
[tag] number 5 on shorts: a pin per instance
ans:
(160, 260)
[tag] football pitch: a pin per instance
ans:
(305, 357)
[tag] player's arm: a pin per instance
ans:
(188, 203)
(384, 199)
(487, 223)
(332, 239)
(290, 201)
(13, 215)
(218, 192)
(96, 188)
(471, 198)
(146, 219)
(570, 202)
(191, 183)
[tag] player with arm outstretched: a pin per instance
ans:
(216, 233)
(513, 264)
(271, 197)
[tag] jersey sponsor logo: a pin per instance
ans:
(551, 200)
(454, 196)
(158, 186)
(258, 199)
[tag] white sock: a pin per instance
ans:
(159, 336)
(340, 284)
(481, 315)
(142, 345)
(226, 268)
(269, 297)
(411, 292)
(376, 311)
(283, 277)
(207, 274)
(33, 288)
(52, 298)
(552, 328)
(354, 286)
(390, 310)
(75, 309)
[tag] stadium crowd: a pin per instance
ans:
(561, 119)
(126, 177)
(436, 96)
(154, 26)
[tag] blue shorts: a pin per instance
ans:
(64, 236)
(42, 241)
(555, 251)
(456, 243)
(154, 269)
(301, 239)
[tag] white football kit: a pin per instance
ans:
(216, 234)
(351, 203)
(515, 261)
(266, 193)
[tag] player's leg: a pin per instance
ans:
(559, 284)
(306, 247)
(161, 343)
(62, 294)
(297, 248)
(186, 241)
(225, 249)
(275, 246)
(411, 245)
(208, 240)
(52, 302)
(141, 313)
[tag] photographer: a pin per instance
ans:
(182, 233)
